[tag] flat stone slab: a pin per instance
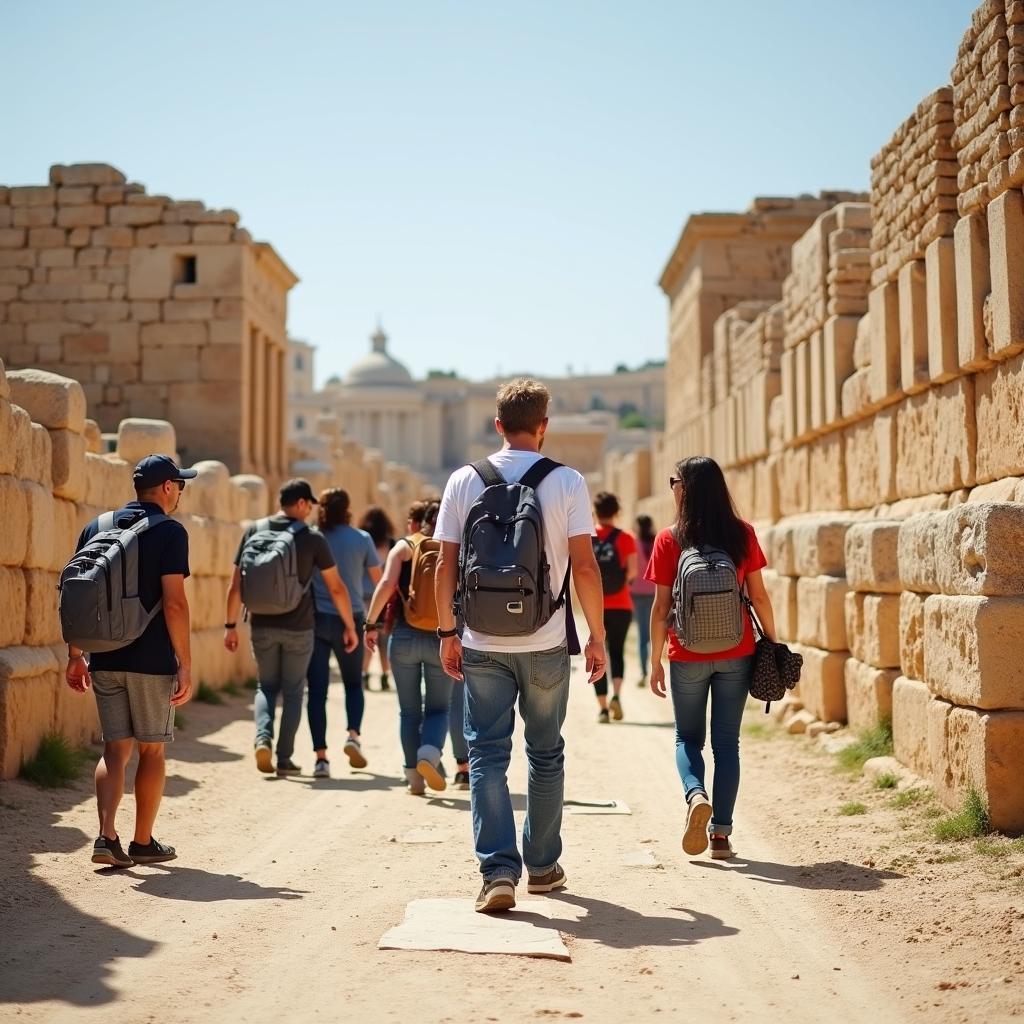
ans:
(452, 925)
(597, 807)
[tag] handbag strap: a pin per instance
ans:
(751, 613)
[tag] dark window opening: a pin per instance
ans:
(185, 270)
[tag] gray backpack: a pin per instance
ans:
(100, 607)
(270, 569)
(504, 586)
(707, 602)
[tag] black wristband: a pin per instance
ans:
(444, 634)
(230, 625)
(372, 627)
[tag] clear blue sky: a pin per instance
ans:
(501, 183)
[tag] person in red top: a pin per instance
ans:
(616, 556)
(706, 516)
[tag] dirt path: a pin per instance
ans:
(284, 887)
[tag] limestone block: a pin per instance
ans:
(39, 503)
(15, 429)
(12, 606)
(827, 473)
(209, 493)
(981, 751)
(1007, 489)
(855, 397)
(940, 270)
(55, 402)
(910, 700)
(782, 593)
(980, 550)
(68, 464)
(85, 174)
(225, 547)
(187, 334)
(912, 634)
(781, 550)
(820, 612)
(873, 627)
(822, 687)
(816, 380)
(794, 480)
(973, 283)
(75, 714)
(766, 488)
(219, 363)
(206, 602)
(936, 439)
(26, 713)
(883, 309)
(871, 556)
(788, 370)
(257, 495)
(42, 623)
(915, 552)
(1006, 247)
(868, 695)
(93, 437)
(138, 437)
(65, 532)
(34, 458)
(108, 482)
(1000, 420)
(870, 449)
(5, 388)
(802, 372)
(971, 650)
(838, 339)
(819, 546)
(913, 316)
(14, 514)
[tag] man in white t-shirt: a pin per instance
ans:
(531, 669)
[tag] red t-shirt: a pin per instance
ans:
(662, 570)
(625, 545)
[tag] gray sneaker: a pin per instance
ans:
(354, 752)
(415, 785)
(288, 767)
(322, 769)
(496, 895)
(548, 882)
(109, 853)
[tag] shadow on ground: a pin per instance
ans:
(835, 875)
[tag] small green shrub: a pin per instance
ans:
(887, 780)
(910, 797)
(852, 808)
(759, 731)
(56, 763)
(969, 822)
(989, 847)
(180, 721)
(876, 742)
(252, 683)
(230, 690)
(205, 694)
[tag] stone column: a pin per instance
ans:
(257, 407)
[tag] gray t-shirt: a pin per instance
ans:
(354, 552)
(312, 551)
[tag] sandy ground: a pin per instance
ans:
(283, 888)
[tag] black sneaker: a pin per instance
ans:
(384, 684)
(496, 895)
(366, 680)
(462, 780)
(109, 852)
(288, 767)
(548, 882)
(602, 717)
(154, 852)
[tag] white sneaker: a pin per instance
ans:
(698, 814)
(322, 769)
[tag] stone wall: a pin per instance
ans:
(871, 422)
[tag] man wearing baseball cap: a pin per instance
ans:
(283, 642)
(138, 686)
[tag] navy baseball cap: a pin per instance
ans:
(155, 470)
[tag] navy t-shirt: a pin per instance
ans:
(163, 551)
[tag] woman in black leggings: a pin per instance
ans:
(615, 550)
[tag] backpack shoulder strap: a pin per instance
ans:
(146, 522)
(295, 526)
(614, 535)
(261, 525)
(538, 471)
(488, 472)
(105, 522)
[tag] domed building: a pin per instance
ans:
(379, 368)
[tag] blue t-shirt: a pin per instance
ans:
(354, 553)
(163, 551)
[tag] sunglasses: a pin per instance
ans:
(180, 483)
(673, 480)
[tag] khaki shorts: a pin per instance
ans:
(135, 705)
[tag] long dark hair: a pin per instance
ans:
(707, 515)
(333, 508)
(645, 528)
(376, 523)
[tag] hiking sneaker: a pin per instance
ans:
(548, 882)
(615, 706)
(721, 848)
(109, 852)
(498, 894)
(264, 758)
(354, 752)
(153, 852)
(602, 717)
(414, 783)
(462, 780)
(288, 767)
(322, 768)
(431, 774)
(698, 814)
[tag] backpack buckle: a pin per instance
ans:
(514, 607)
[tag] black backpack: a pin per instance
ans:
(613, 572)
(504, 586)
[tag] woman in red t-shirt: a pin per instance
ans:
(706, 517)
(616, 556)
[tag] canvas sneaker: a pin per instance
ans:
(721, 848)
(153, 852)
(415, 786)
(354, 752)
(615, 706)
(462, 779)
(496, 895)
(109, 852)
(264, 757)
(322, 769)
(432, 774)
(548, 882)
(602, 717)
(288, 767)
(698, 814)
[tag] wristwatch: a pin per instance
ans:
(372, 627)
(444, 634)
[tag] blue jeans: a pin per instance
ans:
(424, 692)
(728, 682)
(282, 656)
(328, 638)
(540, 682)
(457, 722)
(642, 605)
